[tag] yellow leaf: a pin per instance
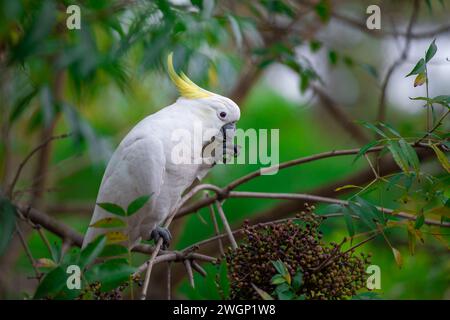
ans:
(398, 257)
(264, 295)
(44, 263)
(436, 233)
(115, 237)
(108, 223)
(420, 79)
(348, 186)
(441, 157)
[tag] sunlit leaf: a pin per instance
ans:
(441, 157)
(277, 279)
(420, 79)
(115, 237)
(348, 186)
(45, 263)
(398, 257)
(264, 295)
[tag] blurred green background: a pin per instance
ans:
(99, 81)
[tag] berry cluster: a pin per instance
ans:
(93, 291)
(328, 273)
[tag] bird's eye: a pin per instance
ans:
(223, 114)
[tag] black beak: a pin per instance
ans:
(228, 126)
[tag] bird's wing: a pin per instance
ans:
(136, 169)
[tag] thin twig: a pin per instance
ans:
(400, 60)
(158, 245)
(197, 267)
(169, 281)
(190, 274)
(29, 156)
(216, 229)
(226, 225)
(28, 252)
(437, 125)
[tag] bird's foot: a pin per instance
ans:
(164, 233)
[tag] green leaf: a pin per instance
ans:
(91, 252)
(285, 295)
(112, 208)
(390, 129)
(280, 267)
(370, 210)
(109, 223)
(137, 204)
(410, 154)
(419, 221)
(21, 105)
(370, 69)
(323, 10)
(236, 30)
(366, 217)
(277, 279)
(7, 223)
(398, 155)
(333, 57)
(113, 250)
(366, 296)
(52, 283)
(441, 157)
(364, 149)
(418, 68)
(297, 281)
(315, 45)
(348, 221)
(432, 49)
(373, 128)
(110, 274)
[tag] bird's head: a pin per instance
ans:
(214, 110)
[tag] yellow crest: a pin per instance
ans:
(186, 87)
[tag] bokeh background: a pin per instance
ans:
(308, 68)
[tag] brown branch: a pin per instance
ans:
(361, 25)
(340, 116)
(382, 103)
(187, 209)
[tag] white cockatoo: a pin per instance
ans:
(145, 162)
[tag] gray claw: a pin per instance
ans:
(164, 233)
